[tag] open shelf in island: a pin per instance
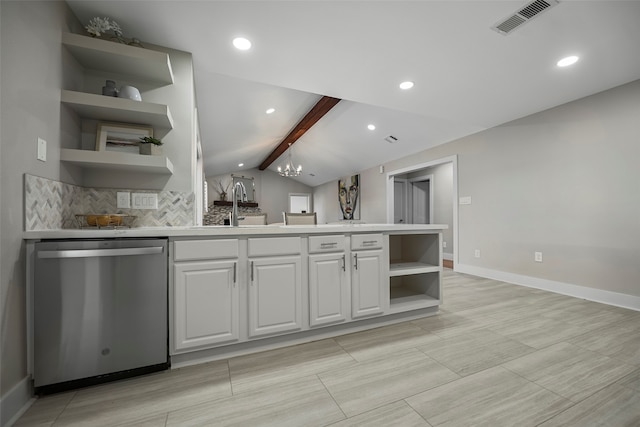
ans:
(401, 268)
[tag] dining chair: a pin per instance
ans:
(300, 218)
(260, 219)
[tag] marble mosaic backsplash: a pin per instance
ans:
(217, 214)
(51, 205)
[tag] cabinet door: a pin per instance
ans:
(367, 290)
(275, 295)
(328, 289)
(206, 303)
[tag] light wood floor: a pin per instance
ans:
(496, 355)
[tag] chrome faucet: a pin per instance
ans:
(234, 195)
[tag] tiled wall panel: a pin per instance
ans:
(53, 205)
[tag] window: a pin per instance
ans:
(300, 202)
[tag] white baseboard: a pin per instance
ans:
(598, 295)
(447, 256)
(16, 402)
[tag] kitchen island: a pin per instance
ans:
(236, 290)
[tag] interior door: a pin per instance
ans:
(400, 201)
(421, 196)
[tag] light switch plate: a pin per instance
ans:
(42, 150)
(537, 256)
(123, 199)
(144, 201)
(465, 200)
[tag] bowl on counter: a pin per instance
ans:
(104, 220)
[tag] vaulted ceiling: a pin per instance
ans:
(467, 76)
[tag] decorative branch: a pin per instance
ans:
(222, 186)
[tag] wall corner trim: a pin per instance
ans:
(16, 402)
(617, 299)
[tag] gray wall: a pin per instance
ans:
(272, 191)
(31, 78)
(34, 67)
(563, 181)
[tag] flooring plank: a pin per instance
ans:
(491, 398)
(371, 384)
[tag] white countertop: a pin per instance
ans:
(225, 230)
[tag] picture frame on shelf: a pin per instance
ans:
(124, 138)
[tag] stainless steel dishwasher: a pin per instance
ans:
(100, 311)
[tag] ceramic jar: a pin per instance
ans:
(109, 89)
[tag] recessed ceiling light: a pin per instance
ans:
(241, 43)
(371, 127)
(240, 165)
(569, 60)
(270, 111)
(406, 85)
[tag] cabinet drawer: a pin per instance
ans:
(190, 250)
(366, 241)
(274, 246)
(319, 244)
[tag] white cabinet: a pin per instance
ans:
(275, 285)
(275, 295)
(245, 290)
(369, 289)
(206, 303)
(206, 298)
(328, 280)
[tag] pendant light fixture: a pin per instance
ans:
(289, 168)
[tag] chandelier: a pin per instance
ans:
(289, 168)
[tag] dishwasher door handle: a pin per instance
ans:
(93, 253)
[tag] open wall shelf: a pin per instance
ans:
(107, 108)
(117, 161)
(104, 55)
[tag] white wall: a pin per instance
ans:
(272, 191)
(563, 181)
(31, 77)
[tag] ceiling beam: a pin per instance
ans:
(321, 108)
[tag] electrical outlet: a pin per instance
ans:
(465, 200)
(123, 200)
(444, 244)
(537, 256)
(477, 253)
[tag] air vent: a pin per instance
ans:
(391, 139)
(522, 16)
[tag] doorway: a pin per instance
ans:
(413, 200)
(421, 199)
(427, 193)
